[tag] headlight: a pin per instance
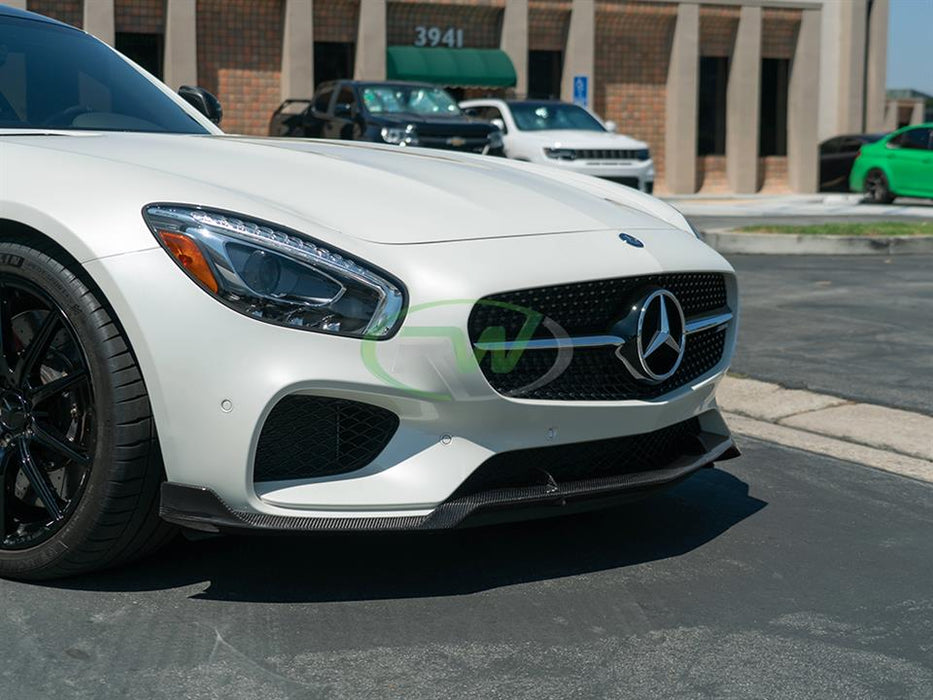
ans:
(642, 154)
(276, 275)
(495, 139)
(398, 136)
(561, 153)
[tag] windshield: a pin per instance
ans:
(407, 99)
(541, 117)
(54, 77)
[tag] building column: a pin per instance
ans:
(99, 21)
(743, 104)
(181, 43)
(16, 4)
(890, 115)
(581, 40)
(877, 66)
(853, 25)
(515, 41)
(918, 112)
(371, 41)
(803, 93)
(298, 50)
(683, 74)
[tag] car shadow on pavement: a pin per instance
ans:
(350, 567)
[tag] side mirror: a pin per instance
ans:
(342, 109)
(500, 125)
(612, 126)
(203, 101)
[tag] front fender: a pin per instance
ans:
(857, 175)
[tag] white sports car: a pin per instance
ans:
(230, 333)
(568, 137)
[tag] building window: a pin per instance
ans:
(144, 49)
(773, 135)
(711, 118)
(333, 60)
(544, 74)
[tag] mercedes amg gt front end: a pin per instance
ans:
(247, 334)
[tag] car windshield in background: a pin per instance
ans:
(406, 99)
(546, 117)
(54, 77)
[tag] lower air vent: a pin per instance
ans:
(584, 461)
(310, 436)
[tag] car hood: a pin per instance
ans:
(380, 194)
(568, 138)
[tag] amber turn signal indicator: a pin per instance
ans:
(187, 253)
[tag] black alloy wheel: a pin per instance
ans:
(47, 416)
(80, 466)
(877, 190)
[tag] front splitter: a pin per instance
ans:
(201, 509)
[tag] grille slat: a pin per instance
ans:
(591, 308)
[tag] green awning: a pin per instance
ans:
(454, 67)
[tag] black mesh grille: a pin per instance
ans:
(474, 145)
(608, 154)
(591, 308)
(596, 374)
(581, 461)
(310, 436)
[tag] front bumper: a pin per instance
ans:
(199, 508)
(214, 376)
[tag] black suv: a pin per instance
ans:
(404, 114)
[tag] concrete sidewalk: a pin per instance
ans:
(825, 204)
(730, 242)
(884, 438)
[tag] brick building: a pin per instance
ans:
(732, 95)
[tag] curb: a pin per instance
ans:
(885, 438)
(726, 241)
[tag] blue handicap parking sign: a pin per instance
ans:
(581, 90)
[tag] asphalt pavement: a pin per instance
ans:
(781, 574)
(859, 327)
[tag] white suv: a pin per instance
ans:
(569, 137)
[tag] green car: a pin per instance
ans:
(898, 165)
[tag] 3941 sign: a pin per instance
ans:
(451, 37)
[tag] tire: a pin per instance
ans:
(74, 416)
(877, 190)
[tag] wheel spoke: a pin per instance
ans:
(36, 348)
(49, 439)
(37, 479)
(47, 391)
(7, 349)
(5, 457)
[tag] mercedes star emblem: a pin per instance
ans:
(659, 329)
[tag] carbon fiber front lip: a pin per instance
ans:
(200, 508)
